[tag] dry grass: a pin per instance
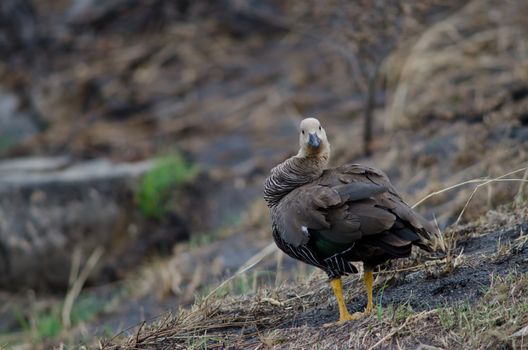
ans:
(291, 316)
(264, 322)
(462, 65)
(194, 268)
(460, 91)
(77, 281)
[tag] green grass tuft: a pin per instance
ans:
(379, 307)
(168, 172)
(47, 323)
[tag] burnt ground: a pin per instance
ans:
(431, 288)
(466, 283)
(484, 275)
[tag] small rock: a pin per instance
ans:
(15, 123)
(49, 208)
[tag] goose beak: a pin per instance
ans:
(314, 140)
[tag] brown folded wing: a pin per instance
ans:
(347, 204)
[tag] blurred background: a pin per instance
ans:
(135, 137)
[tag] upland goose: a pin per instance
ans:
(328, 217)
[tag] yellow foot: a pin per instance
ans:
(348, 317)
(351, 317)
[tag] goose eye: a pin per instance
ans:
(319, 127)
(302, 131)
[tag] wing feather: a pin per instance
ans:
(347, 204)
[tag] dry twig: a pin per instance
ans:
(77, 286)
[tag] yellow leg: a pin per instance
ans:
(368, 278)
(344, 315)
(337, 287)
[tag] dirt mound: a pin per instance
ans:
(467, 66)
